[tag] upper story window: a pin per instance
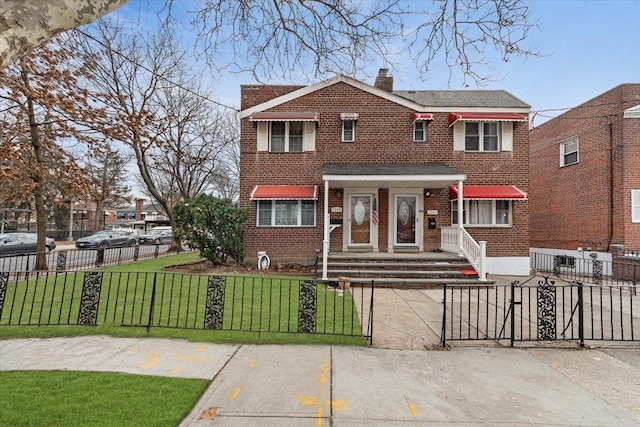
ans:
(349, 126)
(419, 131)
(484, 131)
(635, 205)
(286, 137)
(482, 136)
(348, 130)
(293, 132)
(420, 121)
(569, 152)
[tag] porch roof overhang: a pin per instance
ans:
(423, 175)
(268, 116)
(488, 192)
(486, 117)
(284, 192)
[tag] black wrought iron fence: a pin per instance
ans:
(82, 259)
(621, 271)
(541, 309)
(171, 300)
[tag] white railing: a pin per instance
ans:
(475, 252)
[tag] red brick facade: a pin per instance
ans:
(587, 204)
(383, 135)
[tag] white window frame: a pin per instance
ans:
(635, 206)
(481, 144)
(423, 124)
(494, 213)
(564, 153)
(273, 210)
(287, 125)
(345, 130)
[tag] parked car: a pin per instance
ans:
(107, 239)
(22, 243)
(157, 236)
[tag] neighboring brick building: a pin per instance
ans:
(585, 175)
(385, 166)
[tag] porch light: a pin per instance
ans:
(338, 192)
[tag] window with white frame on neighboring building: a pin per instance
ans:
(495, 213)
(569, 152)
(286, 213)
(635, 205)
(482, 136)
(286, 137)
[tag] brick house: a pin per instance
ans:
(342, 166)
(585, 175)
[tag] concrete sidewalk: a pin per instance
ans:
(346, 386)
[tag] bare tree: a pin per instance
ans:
(174, 133)
(25, 24)
(276, 38)
(108, 170)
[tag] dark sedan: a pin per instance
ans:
(22, 243)
(107, 239)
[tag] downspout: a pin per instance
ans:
(610, 236)
(325, 241)
(460, 216)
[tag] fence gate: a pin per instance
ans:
(541, 309)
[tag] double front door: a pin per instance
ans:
(364, 217)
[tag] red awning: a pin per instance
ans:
(488, 192)
(422, 116)
(486, 117)
(284, 192)
(269, 116)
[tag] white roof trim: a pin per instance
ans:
(394, 178)
(632, 113)
(326, 83)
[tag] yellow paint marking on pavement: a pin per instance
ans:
(191, 358)
(153, 360)
(201, 348)
(133, 348)
(319, 417)
(335, 405)
(235, 393)
(252, 364)
(177, 370)
(412, 410)
(307, 400)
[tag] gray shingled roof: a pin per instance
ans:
(378, 169)
(463, 98)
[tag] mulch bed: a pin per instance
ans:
(206, 267)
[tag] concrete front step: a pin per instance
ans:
(387, 273)
(404, 283)
(385, 264)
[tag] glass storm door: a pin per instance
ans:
(406, 220)
(360, 219)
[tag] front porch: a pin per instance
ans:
(395, 213)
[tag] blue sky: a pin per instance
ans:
(589, 46)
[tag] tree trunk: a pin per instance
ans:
(36, 174)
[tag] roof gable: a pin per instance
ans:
(326, 83)
(422, 101)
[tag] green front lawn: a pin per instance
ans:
(257, 309)
(95, 399)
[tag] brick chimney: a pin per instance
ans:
(384, 81)
(139, 206)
